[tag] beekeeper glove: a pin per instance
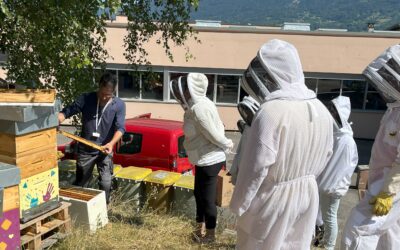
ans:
(382, 203)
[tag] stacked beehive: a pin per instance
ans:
(28, 121)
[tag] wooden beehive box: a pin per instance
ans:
(33, 153)
(88, 206)
(9, 207)
(27, 95)
(18, 118)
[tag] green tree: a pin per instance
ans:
(59, 43)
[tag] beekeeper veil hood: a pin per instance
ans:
(188, 90)
(248, 108)
(384, 74)
(276, 73)
(340, 108)
(177, 90)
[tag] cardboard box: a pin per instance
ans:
(224, 189)
(36, 191)
(88, 207)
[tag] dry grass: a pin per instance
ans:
(130, 229)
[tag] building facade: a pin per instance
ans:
(332, 63)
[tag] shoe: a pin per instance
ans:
(199, 232)
(209, 237)
(319, 235)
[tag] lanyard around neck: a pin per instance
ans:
(98, 120)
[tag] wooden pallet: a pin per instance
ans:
(36, 231)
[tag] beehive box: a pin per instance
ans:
(18, 118)
(9, 207)
(159, 189)
(27, 95)
(38, 194)
(33, 153)
(88, 207)
(184, 202)
(130, 186)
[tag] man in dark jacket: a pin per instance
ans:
(103, 123)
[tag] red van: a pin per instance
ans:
(150, 143)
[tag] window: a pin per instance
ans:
(210, 88)
(128, 84)
(355, 90)
(152, 85)
(181, 149)
(140, 85)
(311, 83)
(227, 89)
(374, 100)
(328, 89)
(130, 143)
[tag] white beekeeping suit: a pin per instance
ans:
(375, 222)
(247, 109)
(289, 143)
(205, 140)
(336, 177)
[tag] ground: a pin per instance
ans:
(154, 231)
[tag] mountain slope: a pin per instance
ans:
(347, 14)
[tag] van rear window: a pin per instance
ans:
(130, 143)
(181, 149)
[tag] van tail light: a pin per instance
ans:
(173, 161)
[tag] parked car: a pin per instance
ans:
(147, 142)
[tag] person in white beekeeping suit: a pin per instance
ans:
(335, 179)
(375, 222)
(290, 141)
(247, 110)
(205, 144)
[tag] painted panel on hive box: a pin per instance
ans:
(9, 230)
(38, 189)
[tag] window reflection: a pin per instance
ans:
(227, 88)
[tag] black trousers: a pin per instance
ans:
(84, 169)
(205, 191)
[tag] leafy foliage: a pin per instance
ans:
(56, 43)
(352, 15)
